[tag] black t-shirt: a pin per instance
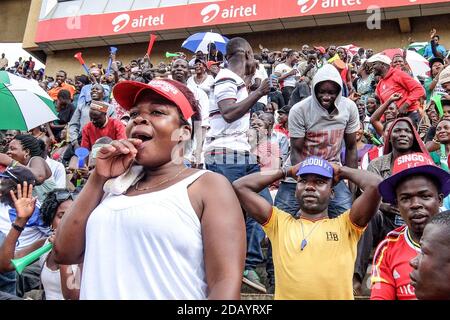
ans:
(218, 56)
(65, 114)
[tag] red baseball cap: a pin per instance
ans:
(126, 92)
(209, 64)
(409, 165)
(321, 49)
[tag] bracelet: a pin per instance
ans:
(17, 227)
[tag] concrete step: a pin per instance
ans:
(254, 296)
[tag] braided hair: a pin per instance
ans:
(50, 206)
(31, 144)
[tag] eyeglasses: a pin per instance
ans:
(65, 195)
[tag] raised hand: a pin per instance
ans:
(264, 87)
(395, 97)
(24, 202)
(115, 158)
(432, 33)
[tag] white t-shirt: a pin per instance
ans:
(58, 172)
(261, 73)
(228, 85)
(206, 85)
(203, 101)
(283, 68)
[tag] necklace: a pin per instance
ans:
(304, 241)
(159, 183)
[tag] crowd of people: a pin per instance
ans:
(328, 157)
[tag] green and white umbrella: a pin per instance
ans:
(419, 47)
(24, 105)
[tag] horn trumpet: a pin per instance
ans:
(21, 263)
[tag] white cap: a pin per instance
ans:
(444, 76)
(380, 58)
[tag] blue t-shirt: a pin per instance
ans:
(429, 53)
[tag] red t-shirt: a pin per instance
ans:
(113, 129)
(391, 269)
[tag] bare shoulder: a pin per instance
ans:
(211, 180)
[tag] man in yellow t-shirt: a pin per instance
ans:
(313, 256)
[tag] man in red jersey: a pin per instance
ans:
(417, 187)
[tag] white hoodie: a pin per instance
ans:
(323, 132)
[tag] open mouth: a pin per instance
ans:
(141, 135)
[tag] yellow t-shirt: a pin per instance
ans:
(324, 269)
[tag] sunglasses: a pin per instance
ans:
(65, 195)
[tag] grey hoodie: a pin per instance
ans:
(323, 132)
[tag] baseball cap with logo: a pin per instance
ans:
(126, 93)
(380, 58)
(316, 165)
(409, 165)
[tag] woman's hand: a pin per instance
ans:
(115, 158)
(5, 160)
(24, 202)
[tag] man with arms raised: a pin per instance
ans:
(313, 255)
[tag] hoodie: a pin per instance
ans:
(382, 165)
(323, 132)
(397, 81)
(418, 145)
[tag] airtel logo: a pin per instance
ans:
(304, 5)
(212, 8)
(120, 22)
(211, 12)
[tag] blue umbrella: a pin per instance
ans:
(200, 41)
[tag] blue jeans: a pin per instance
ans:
(341, 202)
(7, 279)
(234, 165)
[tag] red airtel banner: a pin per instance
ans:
(200, 14)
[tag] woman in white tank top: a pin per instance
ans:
(59, 281)
(159, 230)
